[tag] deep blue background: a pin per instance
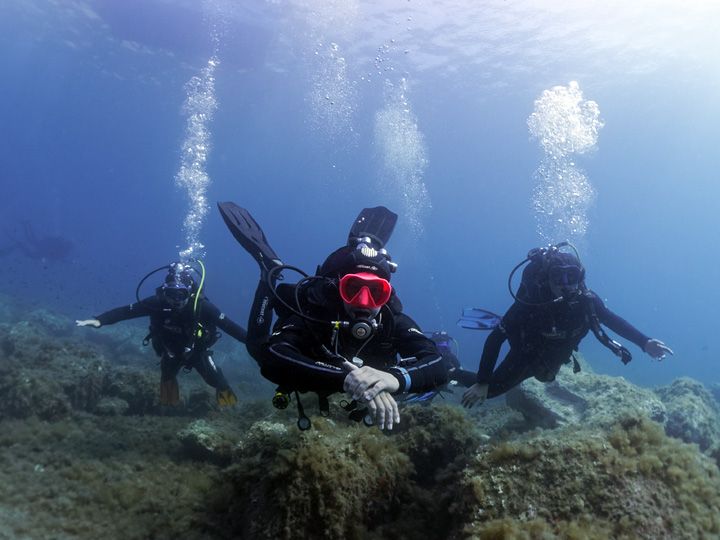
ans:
(91, 114)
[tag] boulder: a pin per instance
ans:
(206, 441)
(584, 398)
(693, 414)
(109, 406)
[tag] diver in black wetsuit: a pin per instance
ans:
(552, 313)
(341, 330)
(183, 326)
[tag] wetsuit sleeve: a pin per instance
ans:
(287, 360)
(132, 311)
(617, 324)
(211, 314)
(421, 367)
(511, 323)
(490, 353)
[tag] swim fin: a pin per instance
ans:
(226, 397)
(377, 223)
(249, 234)
(478, 319)
(169, 392)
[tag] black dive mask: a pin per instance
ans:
(176, 298)
(565, 276)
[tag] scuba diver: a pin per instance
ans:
(183, 326)
(552, 313)
(341, 330)
(448, 348)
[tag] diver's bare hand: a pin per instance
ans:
(365, 383)
(657, 349)
(384, 410)
(477, 393)
(88, 322)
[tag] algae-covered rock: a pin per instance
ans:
(122, 343)
(22, 394)
(329, 482)
(138, 388)
(693, 414)
(343, 480)
(207, 441)
(50, 323)
(434, 437)
(47, 377)
(714, 389)
(111, 406)
(82, 467)
(583, 398)
(630, 482)
(87, 477)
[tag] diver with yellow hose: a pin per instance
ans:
(183, 326)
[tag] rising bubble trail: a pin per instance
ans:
(565, 124)
(402, 150)
(333, 93)
(199, 108)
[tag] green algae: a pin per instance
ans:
(633, 482)
(331, 482)
(74, 474)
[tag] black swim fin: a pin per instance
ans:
(377, 223)
(249, 234)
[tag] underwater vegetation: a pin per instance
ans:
(86, 451)
(631, 481)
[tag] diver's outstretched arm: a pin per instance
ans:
(654, 347)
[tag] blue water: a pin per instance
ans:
(91, 109)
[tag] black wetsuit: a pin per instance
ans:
(182, 337)
(298, 355)
(542, 338)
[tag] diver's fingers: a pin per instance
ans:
(385, 421)
(380, 413)
(393, 416)
(88, 322)
(392, 412)
(373, 408)
(469, 399)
